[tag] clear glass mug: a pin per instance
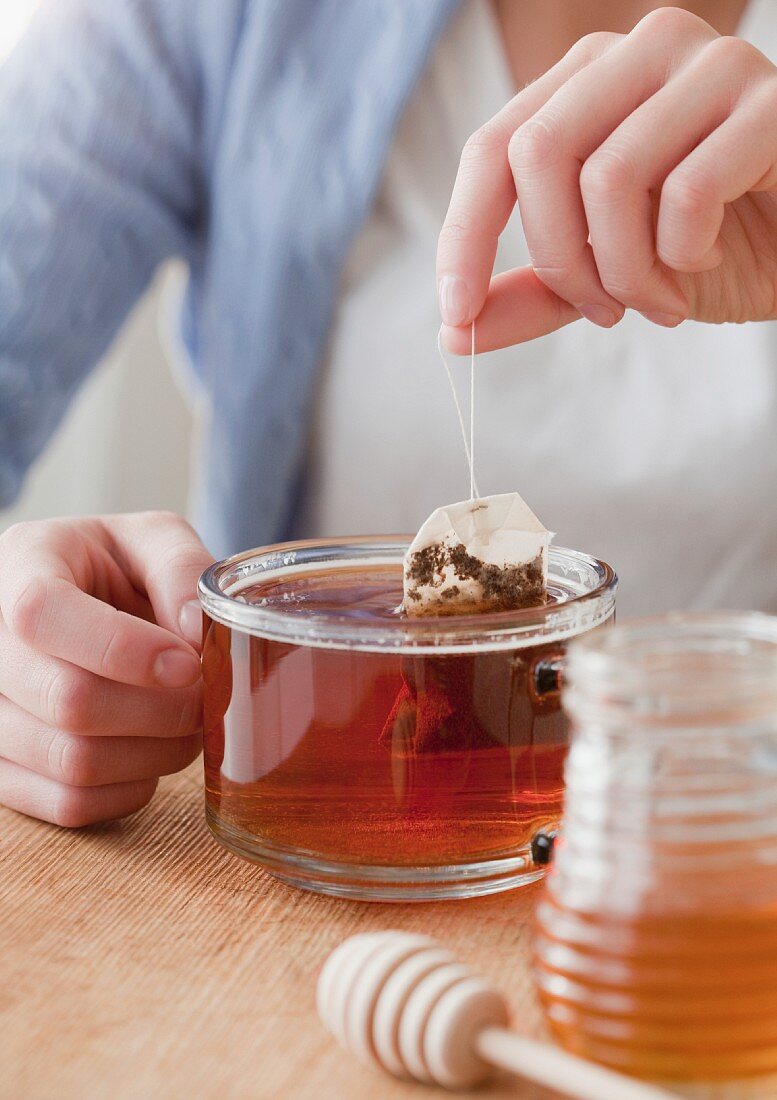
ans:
(656, 942)
(385, 758)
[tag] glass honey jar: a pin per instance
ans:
(656, 938)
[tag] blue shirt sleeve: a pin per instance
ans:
(99, 182)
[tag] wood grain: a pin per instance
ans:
(140, 959)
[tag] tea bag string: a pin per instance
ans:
(469, 443)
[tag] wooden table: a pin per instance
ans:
(141, 960)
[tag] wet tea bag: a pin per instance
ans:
(476, 556)
(480, 555)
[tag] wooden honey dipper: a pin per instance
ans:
(403, 1002)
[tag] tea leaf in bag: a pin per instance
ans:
(476, 556)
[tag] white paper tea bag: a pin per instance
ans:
(477, 556)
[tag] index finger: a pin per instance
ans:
(163, 556)
(45, 609)
(484, 192)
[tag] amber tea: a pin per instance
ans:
(376, 760)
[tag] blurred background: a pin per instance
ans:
(625, 442)
(121, 443)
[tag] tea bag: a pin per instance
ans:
(476, 556)
(479, 555)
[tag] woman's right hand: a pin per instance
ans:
(100, 689)
(644, 167)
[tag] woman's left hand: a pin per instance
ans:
(645, 168)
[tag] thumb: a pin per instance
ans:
(519, 307)
(163, 557)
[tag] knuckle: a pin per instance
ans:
(161, 517)
(182, 542)
(26, 607)
(178, 555)
(483, 142)
(607, 173)
(727, 51)
(556, 277)
(72, 760)
(670, 22)
(535, 145)
(114, 649)
(686, 195)
(621, 286)
(593, 45)
(70, 701)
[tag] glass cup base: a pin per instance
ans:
(363, 882)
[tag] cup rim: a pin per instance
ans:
(496, 630)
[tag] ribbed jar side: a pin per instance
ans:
(672, 821)
(656, 940)
(694, 999)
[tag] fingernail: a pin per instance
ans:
(668, 320)
(176, 669)
(600, 315)
(190, 622)
(454, 300)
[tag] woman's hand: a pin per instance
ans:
(99, 673)
(645, 168)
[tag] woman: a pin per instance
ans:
(261, 142)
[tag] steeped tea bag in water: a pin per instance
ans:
(478, 556)
(481, 555)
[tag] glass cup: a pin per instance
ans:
(385, 758)
(656, 944)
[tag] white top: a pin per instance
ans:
(653, 449)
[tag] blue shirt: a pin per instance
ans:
(248, 137)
